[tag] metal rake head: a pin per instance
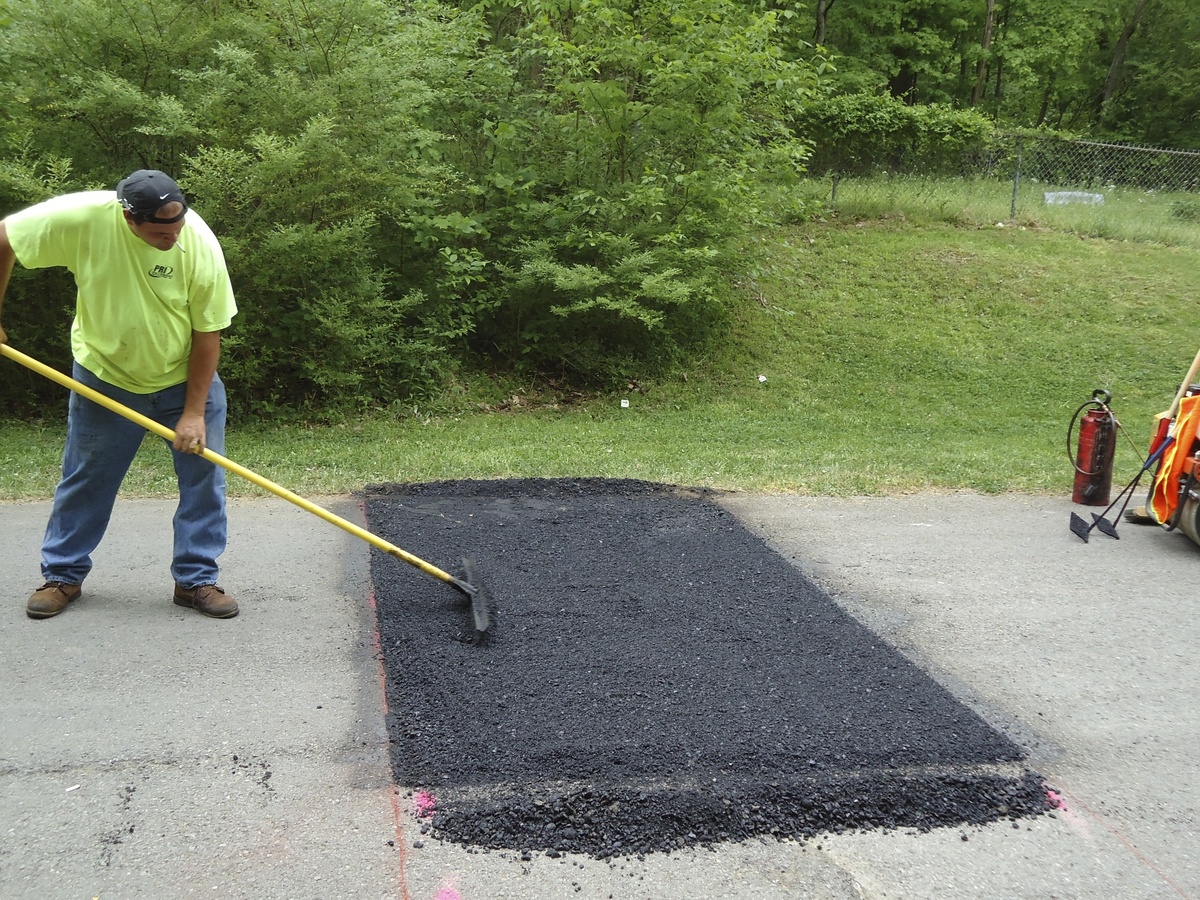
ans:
(1080, 528)
(1103, 524)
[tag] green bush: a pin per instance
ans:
(38, 314)
(300, 136)
(401, 190)
(618, 176)
(863, 134)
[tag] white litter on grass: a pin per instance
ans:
(1058, 198)
(624, 404)
(762, 379)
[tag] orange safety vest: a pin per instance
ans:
(1176, 461)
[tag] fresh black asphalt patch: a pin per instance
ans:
(655, 677)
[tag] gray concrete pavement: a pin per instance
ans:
(148, 752)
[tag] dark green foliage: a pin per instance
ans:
(1122, 69)
(299, 135)
(860, 134)
(556, 188)
(45, 300)
(1157, 98)
(317, 328)
(616, 145)
(549, 187)
(905, 48)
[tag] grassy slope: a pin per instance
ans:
(896, 357)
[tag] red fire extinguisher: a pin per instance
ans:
(1097, 445)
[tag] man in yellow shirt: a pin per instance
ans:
(153, 297)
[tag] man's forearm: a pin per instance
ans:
(202, 366)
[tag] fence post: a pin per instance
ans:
(1012, 212)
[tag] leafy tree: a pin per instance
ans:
(1125, 68)
(558, 186)
(300, 133)
(99, 78)
(1121, 48)
(1156, 95)
(1041, 65)
(615, 168)
(320, 185)
(912, 49)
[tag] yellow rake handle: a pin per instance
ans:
(150, 425)
(1187, 382)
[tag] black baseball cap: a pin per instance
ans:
(147, 191)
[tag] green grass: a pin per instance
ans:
(1127, 214)
(897, 358)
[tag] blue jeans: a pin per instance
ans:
(100, 448)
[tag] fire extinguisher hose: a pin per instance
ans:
(1100, 400)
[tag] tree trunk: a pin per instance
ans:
(1041, 119)
(1114, 71)
(981, 70)
(823, 7)
(903, 85)
(1001, 34)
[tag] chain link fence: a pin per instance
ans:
(1087, 171)
(1100, 188)
(1094, 164)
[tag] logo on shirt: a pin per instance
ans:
(162, 272)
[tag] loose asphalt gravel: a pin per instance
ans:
(656, 678)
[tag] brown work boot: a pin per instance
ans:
(208, 599)
(51, 599)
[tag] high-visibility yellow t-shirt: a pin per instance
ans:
(136, 306)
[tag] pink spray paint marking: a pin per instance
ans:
(424, 803)
(1058, 802)
(448, 894)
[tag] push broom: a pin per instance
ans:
(468, 585)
